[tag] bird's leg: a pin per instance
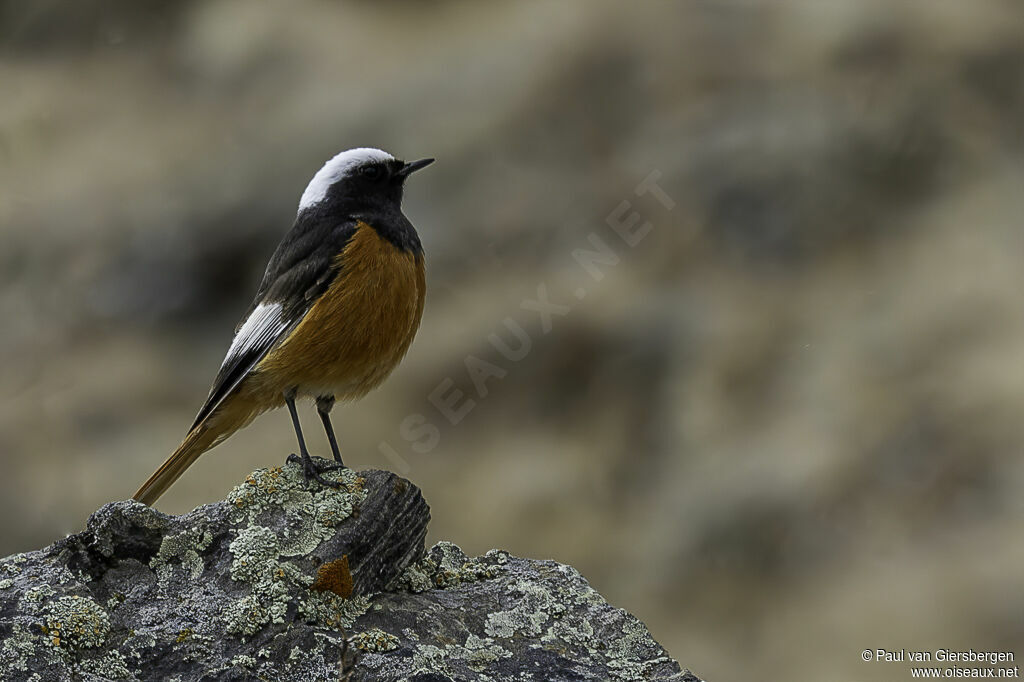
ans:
(309, 469)
(323, 407)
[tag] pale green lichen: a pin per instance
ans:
(243, 661)
(246, 616)
(318, 512)
(16, 650)
(182, 548)
(112, 666)
(626, 656)
(480, 652)
(268, 603)
(554, 613)
(255, 561)
(254, 549)
(574, 630)
(581, 594)
(535, 605)
(427, 658)
(503, 623)
(375, 641)
(445, 566)
(622, 655)
(37, 595)
(328, 610)
(75, 622)
(6, 583)
(577, 632)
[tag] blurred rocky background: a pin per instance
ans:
(799, 396)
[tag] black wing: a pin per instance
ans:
(301, 269)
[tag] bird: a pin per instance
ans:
(337, 308)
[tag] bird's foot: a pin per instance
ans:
(312, 470)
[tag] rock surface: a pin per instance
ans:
(284, 582)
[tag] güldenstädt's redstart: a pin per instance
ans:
(337, 309)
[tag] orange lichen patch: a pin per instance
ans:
(334, 576)
(271, 474)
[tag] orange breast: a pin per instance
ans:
(358, 330)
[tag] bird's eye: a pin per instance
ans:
(372, 173)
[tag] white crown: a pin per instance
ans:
(337, 168)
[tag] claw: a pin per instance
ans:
(311, 469)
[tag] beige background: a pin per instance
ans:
(784, 428)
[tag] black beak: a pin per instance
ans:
(413, 166)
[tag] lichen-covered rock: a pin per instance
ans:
(499, 617)
(285, 582)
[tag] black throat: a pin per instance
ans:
(382, 214)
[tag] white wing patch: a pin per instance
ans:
(335, 170)
(262, 325)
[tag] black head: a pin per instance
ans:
(359, 178)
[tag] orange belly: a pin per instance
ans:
(356, 332)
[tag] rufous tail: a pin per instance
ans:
(199, 440)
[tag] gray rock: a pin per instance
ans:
(284, 582)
